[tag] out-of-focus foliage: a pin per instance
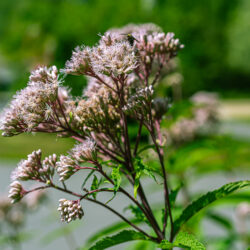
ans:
(13, 219)
(44, 31)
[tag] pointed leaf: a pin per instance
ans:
(207, 199)
(141, 168)
(94, 185)
(86, 179)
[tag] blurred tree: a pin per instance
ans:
(44, 31)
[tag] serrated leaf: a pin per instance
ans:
(188, 241)
(165, 244)
(121, 237)
(116, 177)
(207, 199)
(94, 185)
(183, 240)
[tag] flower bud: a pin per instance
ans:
(16, 192)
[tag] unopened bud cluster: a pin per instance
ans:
(16, 191)
(35, 169)
(70, 210)
(66, 167)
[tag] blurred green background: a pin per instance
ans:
(215, 33)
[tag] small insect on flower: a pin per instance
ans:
(131, 39)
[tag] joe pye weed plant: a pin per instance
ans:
(123, 70)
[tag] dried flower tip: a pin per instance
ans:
(16, 191)
(66, 167)
(79, 62)
(70, 210)
(85, 151)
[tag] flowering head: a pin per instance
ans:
(114, 60)
(79, 64)
(29, 107)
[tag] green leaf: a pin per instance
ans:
(183, 240)
(141, 168)
(165, 244)
(95, 184)
(86, 179)
(121, 237)
(137, 183)
(207, 199)
(139, 215)
(116, 177)
(173, 195)
(188, 241)
(172, 198)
